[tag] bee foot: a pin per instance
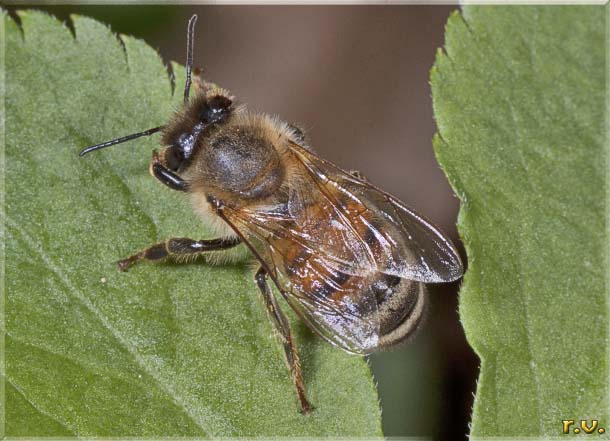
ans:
(124, 264)
(306, 409)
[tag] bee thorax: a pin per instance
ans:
(240, 162)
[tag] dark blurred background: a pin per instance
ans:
(356, 79)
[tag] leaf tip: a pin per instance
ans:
(453, 15)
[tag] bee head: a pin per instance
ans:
(198, 117)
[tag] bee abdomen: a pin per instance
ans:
(398, 305)
(401, 306)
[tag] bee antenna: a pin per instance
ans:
(190, 35)
(120, 140)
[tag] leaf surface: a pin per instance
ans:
(520, 101)
(167, 349)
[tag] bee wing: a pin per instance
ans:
(392, 239)
(328, 236)
(350, 322)
(332, 302)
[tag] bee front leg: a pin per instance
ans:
(283, 327)
(179, 248)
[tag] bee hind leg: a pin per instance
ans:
(281, 324)
(179, 248)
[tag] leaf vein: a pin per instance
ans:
(48, 415)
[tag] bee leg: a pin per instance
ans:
(179, 247)
(165, 175)
(283, 327)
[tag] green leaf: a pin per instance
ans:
(520, 101)
(164, 349)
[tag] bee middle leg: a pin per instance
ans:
(283, 327)
(179, 247)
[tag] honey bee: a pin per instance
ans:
(351, 260)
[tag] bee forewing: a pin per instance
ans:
(335, 245)
(333, 303)
(350, 322)
(428, 256)
(390, 237)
